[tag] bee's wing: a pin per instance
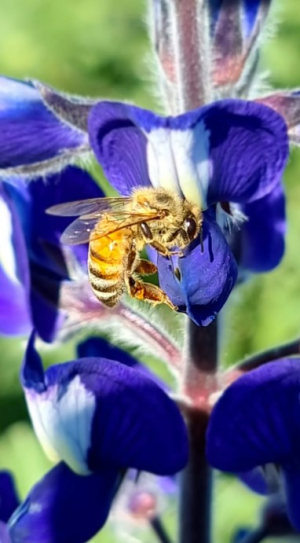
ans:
(92, 206)
(82, 230)
(79, 231)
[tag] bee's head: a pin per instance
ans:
(187, 232)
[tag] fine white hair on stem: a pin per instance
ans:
(180, 36)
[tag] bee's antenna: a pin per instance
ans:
(201, 240)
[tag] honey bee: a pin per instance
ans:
(117, 229)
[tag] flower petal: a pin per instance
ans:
(42, 234)
(4, 536)
(9, 500)
(64, 507)
(232, 150)
(97, 347)
(207, 277)
(96, 412)
(248, 149)
(33, 199)
(31, 134)
(255, 480)
(256, 421)
(14, 271)
(262, 235)
(119, 145)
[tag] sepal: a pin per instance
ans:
(235, 32)
(287, 104)
(72, 110)
(34, 141)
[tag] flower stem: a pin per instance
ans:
(160, 530)
(200, 365)
(158, 341)
(192, 51)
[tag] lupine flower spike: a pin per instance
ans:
(220, 146)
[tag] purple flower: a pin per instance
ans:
(227, 157)
(61, 507)
(256, 423)
(228, 153)
(99, 416)
(33, 265)
(93, 413)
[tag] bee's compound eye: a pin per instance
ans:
(190, 227)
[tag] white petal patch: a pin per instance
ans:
(161, 164)
(63, 426)
(194, 168)
(178, 160)
(7, 255)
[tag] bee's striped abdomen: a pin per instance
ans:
(108, 257)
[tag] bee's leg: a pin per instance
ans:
(161, 249)
(149, 293)
(145, 267)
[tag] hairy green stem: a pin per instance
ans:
(200, 365)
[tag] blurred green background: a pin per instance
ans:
(100, 48)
